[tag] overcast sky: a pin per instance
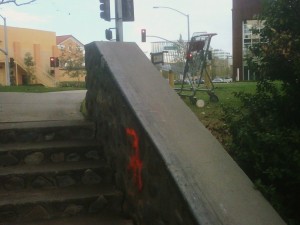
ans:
(81, 19)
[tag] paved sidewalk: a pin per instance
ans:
(25, 107)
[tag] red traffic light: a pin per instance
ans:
(189, 56)
(54, 62)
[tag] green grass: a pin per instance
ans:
(211, 114)
(36, 89)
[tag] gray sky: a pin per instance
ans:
(81, 19)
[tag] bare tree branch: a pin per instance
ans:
(15, 2)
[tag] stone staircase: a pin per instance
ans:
(53, 172)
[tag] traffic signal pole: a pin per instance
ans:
(124, 12)
(119, 21)
(7, 69)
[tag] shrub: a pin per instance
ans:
(266, 145)
(76, 84)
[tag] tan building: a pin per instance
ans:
(41, 45)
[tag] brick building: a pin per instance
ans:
(243, 12)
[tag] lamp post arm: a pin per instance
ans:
(156, 7)
(188, 24)
(187, 16)
(15, 2)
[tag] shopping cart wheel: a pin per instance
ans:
(200, 103)
(193, 100)
(213, 97)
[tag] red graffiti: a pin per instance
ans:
(135, 163)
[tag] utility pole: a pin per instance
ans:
(6, 53)
(119, 21)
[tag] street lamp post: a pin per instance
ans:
(6, 53)
(187, 16)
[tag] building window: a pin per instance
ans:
(61, 47)
(249, 39)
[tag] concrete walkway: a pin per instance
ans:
(25, 107)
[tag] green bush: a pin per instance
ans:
(76, 84)
(266, 145)
(266, 128)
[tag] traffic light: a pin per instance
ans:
(189, 56)
(105, 9)
(143, 33)
(52, 61)
(127, 10)
(108, 34)
(11, 62)
(56, 62)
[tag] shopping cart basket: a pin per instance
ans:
(195, 76)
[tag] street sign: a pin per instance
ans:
(157, 58)
(170, 47)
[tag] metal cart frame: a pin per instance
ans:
(195, 71)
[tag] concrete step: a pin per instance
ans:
(33, 153)
(54, 172)
(27, 205)
(55, 175)
(99, 219)
(52, 164)
(53, 145)
(46, 131)
(51, 168)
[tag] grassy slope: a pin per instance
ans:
(35, 89)
(211, 114)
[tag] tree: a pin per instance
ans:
(180, 55)
(277, 57)
(220, 67)
(265, 129)
(72, 61)
(15, 2)
(30, 68)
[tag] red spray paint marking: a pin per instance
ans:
(135, 163)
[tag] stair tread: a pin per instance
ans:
(45, 124)
(46, 145)
(55, 195)
(104, 219)
(51, 167)
(53, 199)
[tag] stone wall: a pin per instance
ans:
(151, 195)
(170, 168)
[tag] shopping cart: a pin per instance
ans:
(196, 76)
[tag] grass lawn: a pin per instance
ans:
(211, 114)
(36, 89)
